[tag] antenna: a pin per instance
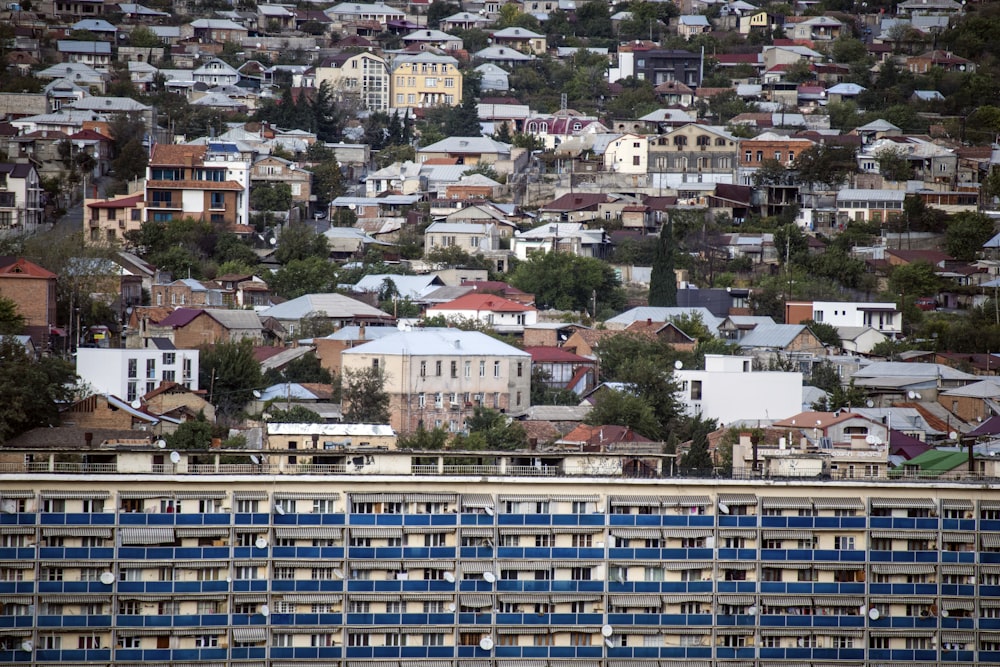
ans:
(27, 645)
(678, 364)
(724, 508)
(107, 578)
(609, 643)
(337, 572)
(607, 630)
(254, 459)
(874, 614)
(279, 510)
(161, 443)
(452, 607)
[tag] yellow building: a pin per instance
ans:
(425, 80)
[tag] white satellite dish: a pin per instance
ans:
(607, 630)
(873, 614)
(229, 580)
(449, 577)
(261, 543)
(870, 439)
(338, 573)
(137, 403)
(175, 457)
(609, 643)
(489, 577)
(678, 364)
(724, 508)
(911, 395)
(870, 403)
(254, 459)
(256, 393)
(452, 607)
(752, 611)
(952, 435)
(161, 443)
(27, 645)
(279, 509)
(265, 611)
(107, 578)
(944, 613)
(488, 510)
(486, 643)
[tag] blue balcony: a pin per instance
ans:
(17, 587)
(958, 524)
(570, 553)
(524, 519)
(737, 554)
(542, 652)
(76, 519)
(424, 553)
(20, 519)
(958, 557)
(905, 655)
(475, 552)
(903, 589)
(577, 520)
(905, 556)
(76, 553)
(308, 553)
(61, 621)
(730, 620)
(989, 657)
(296, 619)
(430, 519)
(954, 622)
(74, 655)
(248, 653)
(254, 519)
(727, 653)
(72, 587)
(787, 621)
(476, 519)
(958, 656)
(906, 622)
(17, 621)
(21, 553)
(472, 618)
(739, 521)
(16, 656)
(680, 620)
(200, 519)
(737, 587)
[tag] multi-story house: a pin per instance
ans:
(216, 72)
(522, 39)
(729, 389)
(425, 80)
(94, 54)
(628, 154)
(272, 169)
(206, 31)
(186, 292)
(661, 65)
(20, 198)
(503, 315)
(571, 558)
(562, 237)
(436, 39)
(472, 237)
(436, 378)
(351, 16)
(129, 374)
(694, 154)
(108, 220)
(208, 183)
(881, 316)
(869, 205)
(362, 76)
(188, 328)
(465, 21)
(815, 29)
(33, 290)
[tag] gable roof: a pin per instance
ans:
(438, 342)
(772, 335)
(478, 301)
(334, 305)
(13, 267)
(555, 355)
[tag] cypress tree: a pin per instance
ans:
(663, 281)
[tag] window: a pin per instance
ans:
(245, 572)
(54, 505)
(496, 369)
(91, 506)
(247, 506)
(580, 639)
(395, 639)
(482, 369)
(437, 368)
(423, 369)
(583, 541)
(52, 574)
(130, 642)
(88, 642)
(434, 540)
(133, 368)
(324, 506)
(843, 542)
(432, 639)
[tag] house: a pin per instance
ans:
(661, 65)
(329, 348)
(945, 60)
(209, 183)
(574, 207)
(108, 220)
(132, 373)
(816, 29)
(874, 206)
(974, 402)
(349, 242)
(859, 340)
(216, 72)
(562, 369)
(502, 55)
(628, 154)
(33, 291)
(172, 399)
(562, 237)
(467, 150)
(20, 198)
(883, 317)
(436, 39)
(607, 438)
(521, 39)
(692, 24)
(694, 153)
(425, 80)
(107, 411)
(189, 328)
(663, 314)
(503, 315)
(895, 381)
(186, 292)
(357, 76)
(782, 340)
(436, 378)
(272, 169)
(93, 54)
(667, 332)
(729, 390)
(465, 21)
(317, 445)
(471, 237)
(493, 77)
(220, 31)
(336, 309)
(353, 15)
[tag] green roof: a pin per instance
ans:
(935, 462)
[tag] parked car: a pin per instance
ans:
(926, 303)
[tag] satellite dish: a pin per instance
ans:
(27, 645)
(607, 630)
(161, 443)
(488, 510)
(338, 573)
(678, 364)
(944, 613)
(265, 611)
(873, 614)
(279, 509)
(229, 580)
(452, 607)
(952, 435)
(489, 577)
(175, 457)
(486, 643)
(724, 508)
(870, 439)
(136, 404)
(911, 395)
(870, 403)
(254, 459)
(107, 578)
(261, 543)
(917, 395)
(609, 643)
(449, 577)
(273, 241)
(256, 394)
(863, 610)
(752, 611)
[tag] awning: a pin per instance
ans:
(526, 598)
(477, 566)
(430, 497)
(308, 533)
(206, 494)
(251, 634)
(477, 531)
(959, 538)
(146, 535)
(734, 631)
(305, 495)
(144, 494)
(732, 565)
(746, 533)
(838, 567)
(429, 564)
(307, 598)
(685, 501)
(737, 499)
(249, 495)
(969, 605)
(579, 498)
(206, 531)
(636, 601)
(956, 504)
(687, 597)
(637, 533)
(989, 504)
(74, 531)
(16, 495)
(902, 568)
(786, 503)
(524, 565)
(27, 564)
(388, 565)
(524, 630)
(442, 530)
(477, 501)
(834, 601)
(990, 540)
(958, 637)
(687, 533)
(525, 530)
(901, 535)
(634, 501)
(144, 632)
(838, 504)
(201, 564)
(787, 535)
(901, 633)
(787, 601)
(381, 531)
(22, 530)
(375, 497)
(903, 503)
(476, 601)
(75, 495)
(958, 569)
(737, 600)
(524, 498)
(249, 598)
(902, 599)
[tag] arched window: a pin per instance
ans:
(680, 140)
(704, 140)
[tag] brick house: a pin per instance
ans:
(33, 291)
(189, 328)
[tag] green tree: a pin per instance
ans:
(328, 182)
(439, 10)
(841, 397)
(311, 275)
(363, 393)
(543, 394)
(306, 368)
(568, 282)
(296, 414)
(31, 391)
(966, 233)
(130, 155)
(827, 333)
(424, 440)
(825, 163)
(914, 280)
(823, 376)
(11, 320)
(490, 430)
(192, 434)
(893, 164)
(625, 408)
(698, 460)
(143, 37)
(271, 196)
(230, 373)
(300, 241)
(663, 281)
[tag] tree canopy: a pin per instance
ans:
(30, 390)
(569, 282)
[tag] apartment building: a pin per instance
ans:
(108, 220)
(205, 182)
(129, 374)
(694, 154)
(361, 76)
(437, 377)
(425, 80)
(423, 559)
(20, 198)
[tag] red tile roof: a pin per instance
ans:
(478, 302)
(603, 435)
(548, 354)
(19, 266)
(122, 202)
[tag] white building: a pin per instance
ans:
(132, 373)
(883, 317)
(729, 390)
(628, 154)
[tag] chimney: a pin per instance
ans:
(88, 439)
(972, 456)
(361, 331)
(216, 443)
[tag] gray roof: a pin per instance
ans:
(664, 314)
(287, 390)
(353, 332)
(503, 54)
(438, 342)
(912, 370)
(861, 194)
(336, 306)
(467, 145)
(105, 104)
(983, 389)
(94, 25)
(558, 413)
(235, 319)
(70, 46)
(458, 227)
(517, 33)
(772, 335)
(412, 287)
(286, 356)
(217, 24)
